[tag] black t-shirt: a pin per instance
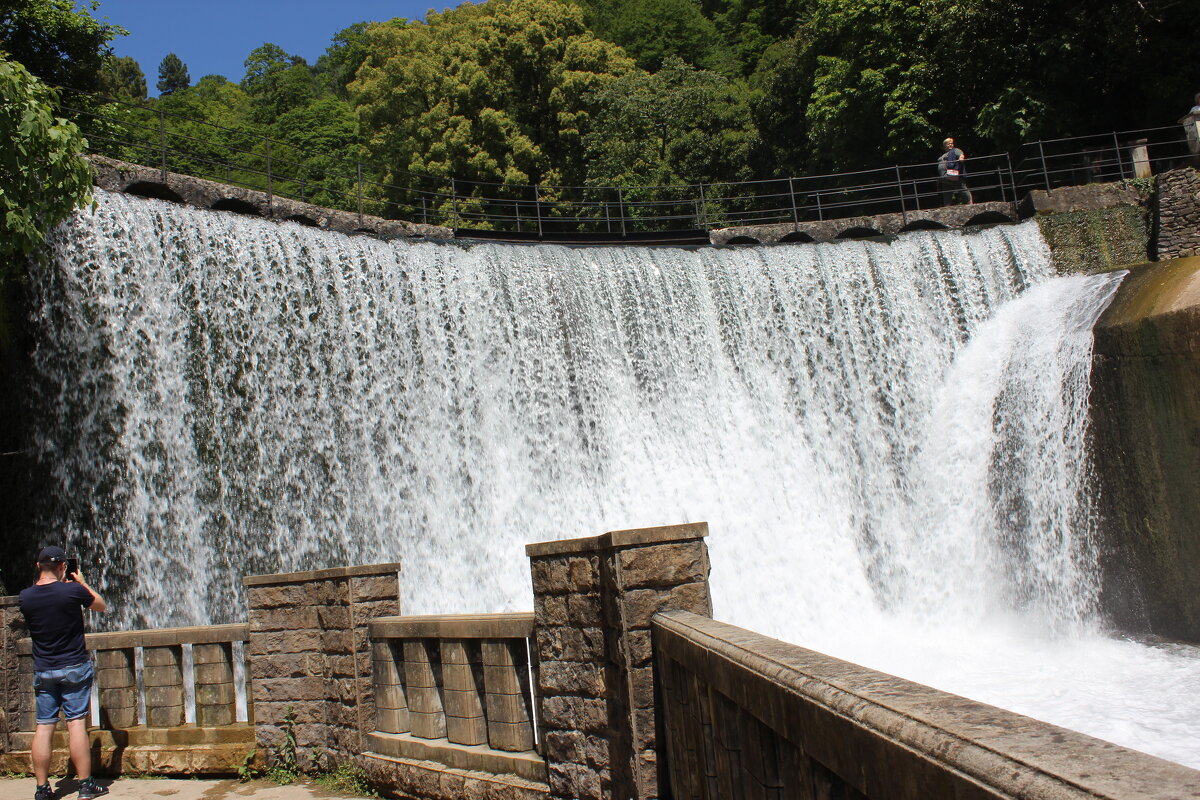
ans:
(54, 613)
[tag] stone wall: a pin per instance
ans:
(593, 601)
(1178, 214)
(747, 716)
(12, 629)
(120, 176)
(1096, 227)
(310, 655)
(1145, 417)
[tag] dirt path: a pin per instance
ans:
(156, 789)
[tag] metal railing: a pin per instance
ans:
(150, 135)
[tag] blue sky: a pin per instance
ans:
(215, 36)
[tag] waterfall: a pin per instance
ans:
(886, 438)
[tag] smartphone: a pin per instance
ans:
(72, 567)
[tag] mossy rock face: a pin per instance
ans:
(1096, 240)
(1145, 410)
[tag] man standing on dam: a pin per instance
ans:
(62, 672)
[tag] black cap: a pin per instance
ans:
(52, 555)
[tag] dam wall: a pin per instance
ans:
(1145, 416)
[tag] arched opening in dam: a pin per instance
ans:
(888, 439)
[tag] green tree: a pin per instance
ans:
(43, 176)
(56, 40)
(654, 30)
(341, 60)
(679, 125)
(172, 74)
(1016, 70)
(277, 82)
(318, 149)
(122, 78)
(501, 92)
(210, 133)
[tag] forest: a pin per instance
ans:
(505, 94)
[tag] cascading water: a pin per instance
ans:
(888, 444)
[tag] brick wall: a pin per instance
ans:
(310, 654)
(593, 600)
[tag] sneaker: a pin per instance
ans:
(44, 792)
(88, 788)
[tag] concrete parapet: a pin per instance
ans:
(216, 743)
(593, 601)
(310, 655)
(750, 716)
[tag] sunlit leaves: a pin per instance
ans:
(43, 177)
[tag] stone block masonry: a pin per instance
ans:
(310, 655)
(1179, 214)
(593, 601)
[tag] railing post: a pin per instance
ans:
(1117, 151)
(900, 189)
(621, 209)
(423, 672)
(212, 670)
(703, 208)
(116, 683)
(820, 212)
(270, 187)
(1012, 176)
(507, 695)
(1045, 172)
(537, 206)
(163, 678)
(162, 139)
(795, 207)
(462, 688)
(454, 201)
(360, 195)
(391, 704)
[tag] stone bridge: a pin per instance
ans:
(120, 176)
(935, 219)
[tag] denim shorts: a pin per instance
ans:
(69, 689)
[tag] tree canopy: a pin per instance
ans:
(57, 41)
(172, 74)
(42, 174)
(503, 94)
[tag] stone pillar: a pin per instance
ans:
(1191, 131)
(593, 600)
(1139, 156)
(12, 629)
(309, 652)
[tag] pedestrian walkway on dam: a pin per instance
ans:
(173, 789)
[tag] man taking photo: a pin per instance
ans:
(62, 672)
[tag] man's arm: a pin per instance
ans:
(97, 603)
